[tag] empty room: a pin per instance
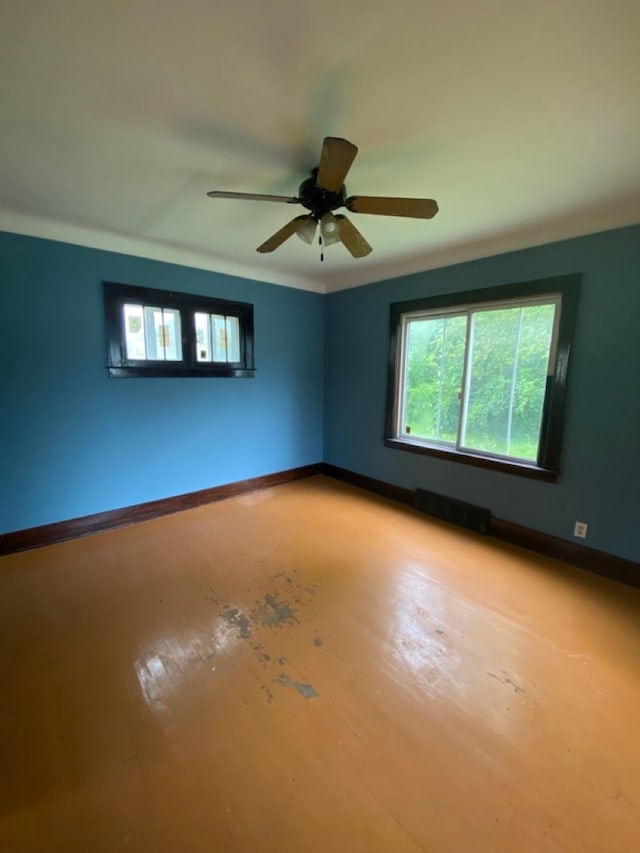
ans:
(319, 422)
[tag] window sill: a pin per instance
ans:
(520, 469)
(155, 372)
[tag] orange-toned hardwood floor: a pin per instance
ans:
(310, 668)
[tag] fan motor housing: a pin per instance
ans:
(317, 200)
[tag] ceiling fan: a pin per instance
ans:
(325, 192)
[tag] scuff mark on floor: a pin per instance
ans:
(235, 618)
(276, 608)
(506, 678)
(267, 693)
(273, 613)
(262, 656)
(305, 690)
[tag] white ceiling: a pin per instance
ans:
(521, 118)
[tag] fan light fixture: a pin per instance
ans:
(307, 230)
(329, 229)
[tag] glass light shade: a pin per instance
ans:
(329, 229)
(307, 230)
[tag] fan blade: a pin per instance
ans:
(336, 158)
(352, 238)
(283, 234)
(418, 208)
(253, 196)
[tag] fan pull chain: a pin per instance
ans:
(321, 248)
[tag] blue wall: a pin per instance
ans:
(600, 480)
(74, 442)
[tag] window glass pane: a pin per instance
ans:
(152, 326)
(219, 337)
(172, 334)
(506, 380)
(203, 337)
(163, 334)
(134, 332)
(233, 339)
(530, 380)
(433, 377)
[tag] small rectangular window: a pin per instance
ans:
(218, 338)
(163, 333)
(152, 333)
(483, 381)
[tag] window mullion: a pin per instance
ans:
(163, 333)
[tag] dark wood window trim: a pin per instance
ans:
(118, 365)
(548, 462)
(507, 466)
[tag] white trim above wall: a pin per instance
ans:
(577, 224)
(608, 217)
(93, 238)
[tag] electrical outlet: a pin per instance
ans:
(580, 529)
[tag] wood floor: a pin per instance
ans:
(310, 668)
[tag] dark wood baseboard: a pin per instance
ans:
(599, 562)
(49, 534)
(378, 487)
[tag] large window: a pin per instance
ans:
(483, 380)
(163, 333)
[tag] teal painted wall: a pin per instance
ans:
(600, 480)
(74, 442)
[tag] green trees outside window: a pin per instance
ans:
(507, 359)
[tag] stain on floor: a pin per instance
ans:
(273, 613)
(267, 693)
(305, 690)
(235, 618)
